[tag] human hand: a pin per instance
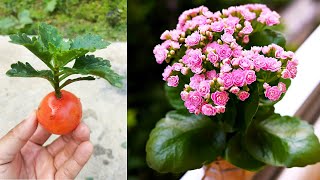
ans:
(22, 154)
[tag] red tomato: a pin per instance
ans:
(60, 116)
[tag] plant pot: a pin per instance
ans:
(223, 170)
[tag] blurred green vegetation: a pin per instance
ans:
(147, 103)
(107, 18)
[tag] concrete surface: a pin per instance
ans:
(104, 107)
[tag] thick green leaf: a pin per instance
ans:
(26, 70)
(283, 141)
(266, 37)
(248, 108)
(228, 118)
(238, 155)
(91, 65)
(183, 141)
(89, 42)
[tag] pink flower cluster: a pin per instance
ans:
(213, 57)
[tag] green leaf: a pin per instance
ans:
(228, 118)
(26, 70)
(89, 42)
(24, 17)
(65, 56)
(91, 65)
(49, 35)
(266, 37)
(8, 22)
(238, 155)
(283, 141)
(248, 108)
(183, 141)
(35, 46)
(50, 5)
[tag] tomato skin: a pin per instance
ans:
(60, 116)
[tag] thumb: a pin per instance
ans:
(13, 142)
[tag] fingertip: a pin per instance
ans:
(32, 117)
(82, 132)
(85, 149)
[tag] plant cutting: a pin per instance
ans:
(226, 72)
(60, 111)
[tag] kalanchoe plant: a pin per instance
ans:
(55, 52)
(227, 70)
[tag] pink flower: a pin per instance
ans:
(237, 52)
(173, 35)
(250, 76)
(243, 95)
(234, 90)
(193, 59)
(272, 64)
(247, 28)
(238, 77)
(194, 101)
(231, 21)
(282, 87)
(227, 38)
(193, 39)
(285, 74)
(184, 95)
(259, 62)
(278, 53)
(266, 85)
(211, 74)
(217, 26)
(229, 30)
(272, 18)
(225, 68)
(224, 51)
(247, 14)
(160, 53)
(245, 63)
(245, 39)
(227, 80)
(220, 109)
(177, 66)
(173, 81)
(213, 57)
(273, 93)
(167, 72)
(184, 70)
(292, 68)
(195, 80)
(220, 98)
(208, 110)
(204, 88)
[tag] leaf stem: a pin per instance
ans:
(69, 81)
(64, 76)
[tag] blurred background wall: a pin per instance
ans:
(147, 20)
